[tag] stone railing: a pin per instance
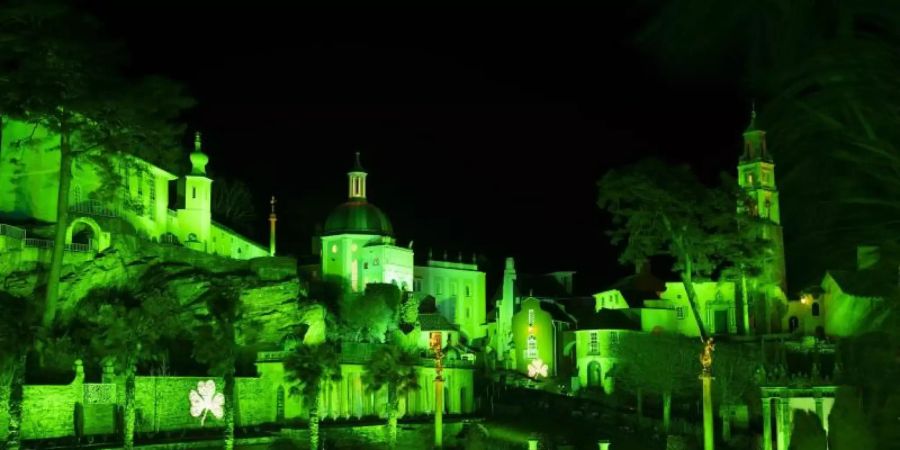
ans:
(11, 231)
(39, 243)
(93, 208)
(47, 244)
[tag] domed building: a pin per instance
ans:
(358, 245)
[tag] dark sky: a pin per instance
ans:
(481, 131)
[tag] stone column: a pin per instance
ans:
(767, 422)
(820, 411)
(708, 422)
(780, 424)
(603, 444)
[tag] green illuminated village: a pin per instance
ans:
(153, 294)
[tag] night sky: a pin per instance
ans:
(482, 132)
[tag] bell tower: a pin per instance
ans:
(756, 177)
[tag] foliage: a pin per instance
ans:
(735, 368)
(657, 363)
(371, 316)
(663, 210)
(824, 75)
(310, 365)
(848, 425)
(807, 433)
(232, 204)
(393, 367)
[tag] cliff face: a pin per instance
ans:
(269, 287)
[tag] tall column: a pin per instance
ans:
(708, 426)
(781, 438)
(767, 423)
(438, 412)
(820, 412)
(272, 220)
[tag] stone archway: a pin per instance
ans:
(85, 231)
(594, 374)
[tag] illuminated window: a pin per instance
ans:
(334, 248)
(594, 346)
(749, 178)
(531, 317)
(679, 312)
(531, 349)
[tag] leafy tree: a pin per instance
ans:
(126, 328)
(393, 367)
(848, 426)
(659, 364)
(370, 317)
(824, 74)
(232, 204)
(807, 433)
(16, 338)
(735, 368)
(662, 210)
(216, 343)
(307, 367)
(60, 74)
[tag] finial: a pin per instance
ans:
(199, 160)
(357, 165)
(272, 202)
(197, 142)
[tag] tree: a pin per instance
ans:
(735, 368)
(307, 367)
(216, 344)
(393, 367)
(125, 328)
(232, 204)
(372, 316)
(661, 210)
(60, 74)
(16, 338)
(807, 433)
(823, 74)
(659, 364)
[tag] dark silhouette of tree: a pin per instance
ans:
(664, 210)
(807, 433)
(307, 367)
(61, 74)
(16, 339)
(232, 204)
(392, 367)
(125, 328)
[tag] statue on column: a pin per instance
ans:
(706, 358)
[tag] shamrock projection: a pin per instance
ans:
(205, 400)
(537, 367)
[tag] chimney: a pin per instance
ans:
(866, 256)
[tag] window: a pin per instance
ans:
(531, 317)
(468, 290)
(594, 342)
(365, 265)
(468, 312)
(334, 248)
(815, 309)
(453, 286)
(193, 192)
(679, 312)
(417, 285)
(531, 349)
(749, 178)
(439, 287)
(614, 338)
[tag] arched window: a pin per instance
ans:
(815, 309)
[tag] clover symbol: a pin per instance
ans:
(537, 367)
(205, 400)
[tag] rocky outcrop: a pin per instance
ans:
(269, 287)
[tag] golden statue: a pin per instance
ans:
(706, 358)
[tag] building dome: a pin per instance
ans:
(358, 216)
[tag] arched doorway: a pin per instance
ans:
(594, 374)
(793, 324)
(83, 234)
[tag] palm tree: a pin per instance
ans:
(125, 328)
(393, 367)
(216, 344)
(306, 368)
(16, 338)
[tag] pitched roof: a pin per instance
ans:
(435, 322)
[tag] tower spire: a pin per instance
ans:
(199, 160)
(272, 220)
(357, 178)
(754, 140)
